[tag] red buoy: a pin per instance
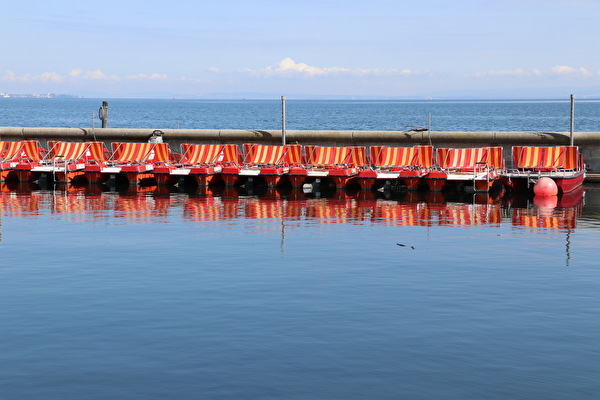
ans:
(545, 187)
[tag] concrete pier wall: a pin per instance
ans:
(588, 142)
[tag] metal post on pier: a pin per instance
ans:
(93, 127)
(572, 118)
(428, 127)
(283, 120)
(103, 114)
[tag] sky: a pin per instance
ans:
(302, 49)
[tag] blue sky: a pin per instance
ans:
(303, 49)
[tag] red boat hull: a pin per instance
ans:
(565, 184)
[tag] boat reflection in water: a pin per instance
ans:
(292, 208)
(157, 205)
(548, 213)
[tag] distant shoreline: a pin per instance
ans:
(37, 96)
(329, 99)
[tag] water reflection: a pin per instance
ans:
(548, 213)
(158, 205)
(551, 215)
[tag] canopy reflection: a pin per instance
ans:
(155, 204)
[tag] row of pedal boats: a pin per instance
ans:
(478, 169)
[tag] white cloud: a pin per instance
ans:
(562, 69)
(506, 72)
(383, 72)
(10, 76)
(75, 75)
(99, 75)
(556, 70)
(567, 70)
(193, 80)
(288, 67)
(154, 76)
(79, 74)
(50, 77)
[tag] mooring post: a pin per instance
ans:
(428, 127)
(572, 118)
(283, 120)
(103, 114)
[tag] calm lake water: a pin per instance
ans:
(224, 295)
(491, 115)
(148, 293)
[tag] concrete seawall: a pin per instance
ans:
(588, 142)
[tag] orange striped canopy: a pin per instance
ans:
(425, 156)
(264, 154)
(318, 155)
(201, 153)
(63, 151)
(496, 157)
(359, 157)
(162, 153)
(571, 157)
(294, 154)
(231, 154)
(97, 151)
(131, 152)
(539, 156)
(386, 157)
(9, 150)
(31, 151)
(461, 158)
(553, 157)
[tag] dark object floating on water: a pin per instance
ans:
(405, 245)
